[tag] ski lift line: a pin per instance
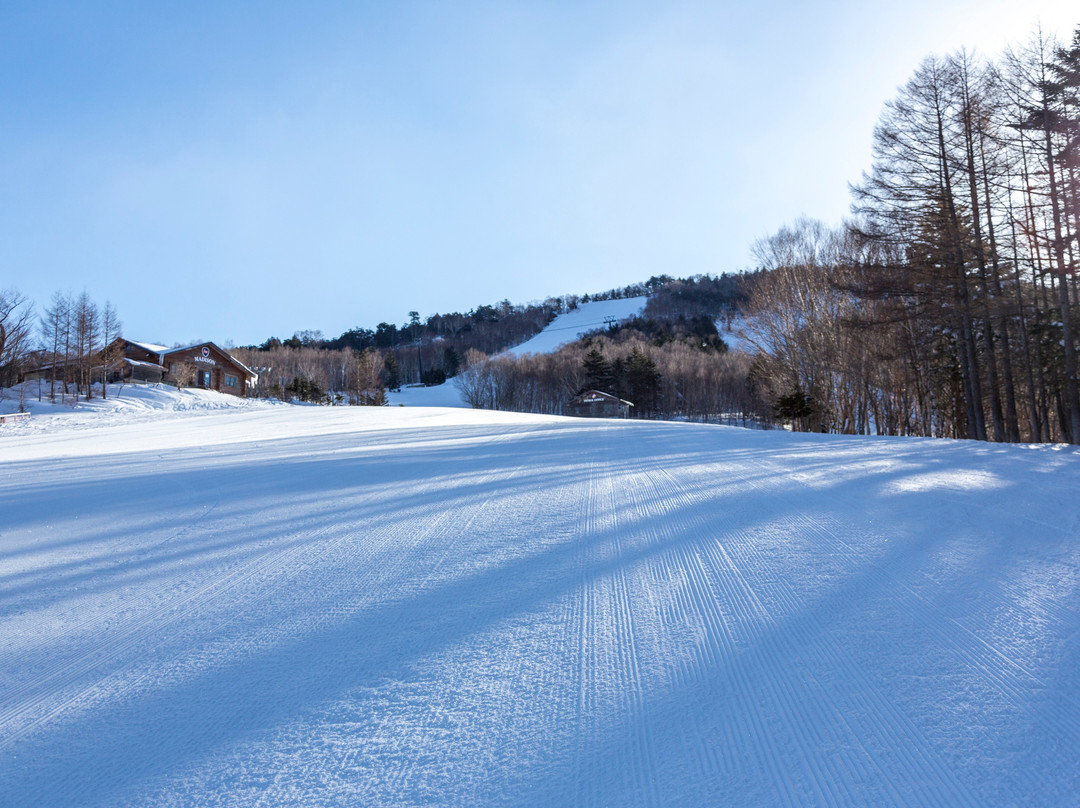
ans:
(579, 326)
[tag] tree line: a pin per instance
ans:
(670, 361)
(68, 342)
(320, 375)
(948, 304)
(431, 349)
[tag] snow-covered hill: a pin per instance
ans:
(572, 325)
(399, 606)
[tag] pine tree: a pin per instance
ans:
(598, 374)
(451, 361)
(796, 407)
(643, 379)
(415, 329)
(393, 373)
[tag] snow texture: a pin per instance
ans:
(124, 404)
(735, 336)
(572, 325)
(277, 605)
(439, 395)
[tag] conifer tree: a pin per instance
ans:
(451, 361)
(643, 380)
(393, 373)
(598, 375)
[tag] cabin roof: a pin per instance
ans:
(148, 346)
(162, 351)
(581, 398)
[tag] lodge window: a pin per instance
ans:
(230, 380)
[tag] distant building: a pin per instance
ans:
(594, 404)
(203, 365)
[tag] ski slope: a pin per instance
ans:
(446, 394)
(410, 606)
(597, 314)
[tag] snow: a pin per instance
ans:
(151, 346)
(440, 395)
(284, 605)
(735, 335)
(572, 325)
(124, 404)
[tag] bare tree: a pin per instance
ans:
(16, 330)
(87, 340)
(1052, 134)
(183, 374)
(54, 324)
(110, 354)
(911, 198)
(474, 380)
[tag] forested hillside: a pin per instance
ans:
(360, 363)
(669, 362)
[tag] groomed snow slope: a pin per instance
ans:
(586, 317)
(446, 394)
(407, 606)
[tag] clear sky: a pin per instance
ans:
(231, 171)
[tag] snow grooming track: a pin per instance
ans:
(1004, 674)
(422, 606)
(891, 739)
(611, 670)
(304, 549)
(779, 677)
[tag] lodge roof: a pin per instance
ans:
(162, 351)
(581, 398)
(137, 363)
(147, 346)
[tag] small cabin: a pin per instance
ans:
(594, 404)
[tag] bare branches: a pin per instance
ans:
(16, 332)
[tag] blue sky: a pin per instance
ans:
(235, 171)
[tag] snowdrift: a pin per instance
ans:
(122, 404)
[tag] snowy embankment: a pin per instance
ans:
(123, 404)
(361, 606)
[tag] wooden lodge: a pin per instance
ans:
(594, 404)
(203, 365)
